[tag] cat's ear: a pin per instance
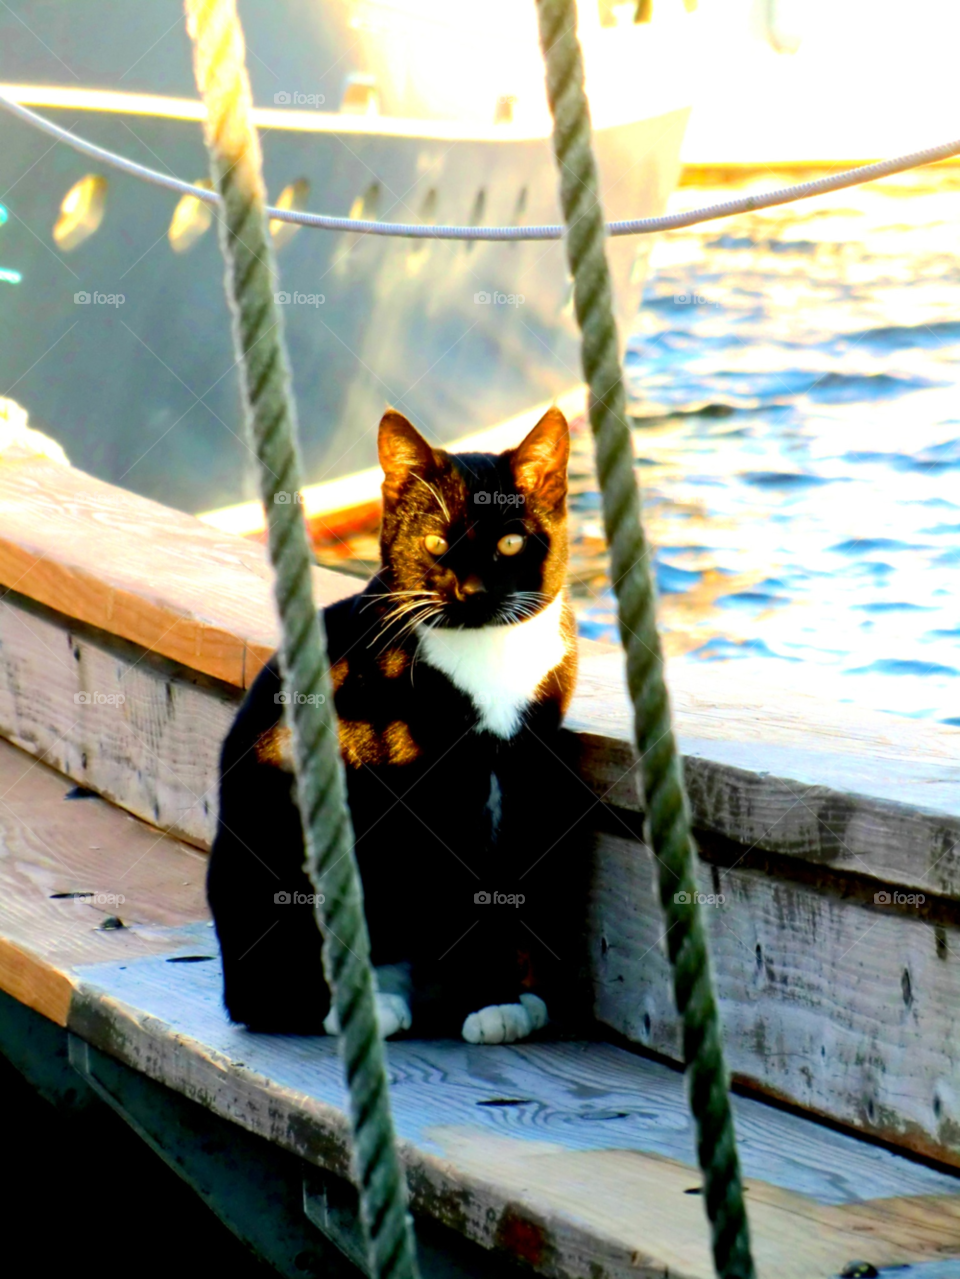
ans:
(403, 450)
(540, 462)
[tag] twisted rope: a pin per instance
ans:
(235, 161)
(667, 811)
(421, 231)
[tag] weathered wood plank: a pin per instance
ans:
(133, 727)
(581, 1096)
(564, 1180)
(846, 1009)
(140, 570)
(64, 866)
(590, 1170)
(156, 754)
(875, 795)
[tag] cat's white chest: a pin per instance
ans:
(499, 667)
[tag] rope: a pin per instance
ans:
(418, 231)
(235, 161)
(666, 806)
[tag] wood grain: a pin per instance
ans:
(875, 795)
(845, 1009)
(552, 1173)
(51, 846)
(133, 727)
(140, 570)
(573, 1157)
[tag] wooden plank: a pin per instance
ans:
(846, 1009)
(133, 727)
(586, 1165)
(527, 1148)
(51, 846)
(875, 795)
(156, 754)
(140, 570)
(583, 1096)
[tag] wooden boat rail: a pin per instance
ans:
(128, 633)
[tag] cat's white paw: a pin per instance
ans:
(505, 1023)
(393, 1015)
(536, 1009)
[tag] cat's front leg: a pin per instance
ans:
(392, 998)
(506, 1023)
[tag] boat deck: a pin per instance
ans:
(573, 1158)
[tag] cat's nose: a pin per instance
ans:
(472, 585)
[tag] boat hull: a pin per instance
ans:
(144, 392)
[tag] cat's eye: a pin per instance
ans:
(512, 544)
(436, 545)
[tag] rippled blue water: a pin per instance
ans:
(795, 377)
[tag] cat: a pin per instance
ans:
(451, 670)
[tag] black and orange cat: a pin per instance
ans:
(452, 670)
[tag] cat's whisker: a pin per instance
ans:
(431, 597)
(383, 632)
(399, 638)
(413, 623)
(389, 595)
(410, 612)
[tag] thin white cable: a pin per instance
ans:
(417, 231)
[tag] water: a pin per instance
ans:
(795, 381)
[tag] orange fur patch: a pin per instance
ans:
(393, 663)
(361, 743)
(275, 747)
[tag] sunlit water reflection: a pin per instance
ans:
(794, 376)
